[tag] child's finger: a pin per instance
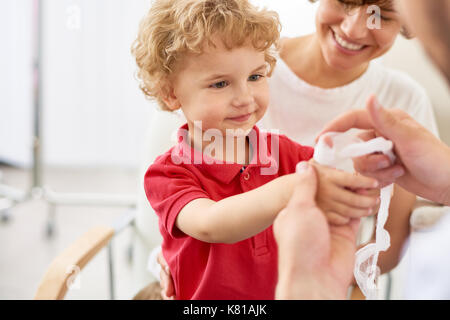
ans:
(349, 211)
(368, 192)
(336, 219)
(353, 199)
(355, 180)
(348, 180)
(166, 282)
(162, 283)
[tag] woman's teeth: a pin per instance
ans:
(347, 45)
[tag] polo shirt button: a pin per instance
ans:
(247, 176)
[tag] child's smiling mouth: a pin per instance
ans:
(242, 118)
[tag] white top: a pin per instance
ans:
(428, 261)
(301, 110)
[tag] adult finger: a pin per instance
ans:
(371, 163)
(305, 192)
(387, 176)
(352, 119)
(388, 123)
(367, 135)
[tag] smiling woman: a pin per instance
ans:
(345, 40)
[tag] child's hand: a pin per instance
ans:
(343, 195)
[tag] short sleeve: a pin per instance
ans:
(169, 188)
(305, 153)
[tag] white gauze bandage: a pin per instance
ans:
(346, 146)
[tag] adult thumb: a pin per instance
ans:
(304, 194)
(386, 122)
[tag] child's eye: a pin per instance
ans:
(219, 85)
(255, 77)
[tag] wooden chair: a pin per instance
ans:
(59, 275)
(55, 282)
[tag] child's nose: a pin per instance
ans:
(243, 96)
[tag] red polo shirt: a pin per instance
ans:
(245, 270)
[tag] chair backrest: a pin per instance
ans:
(56, 280)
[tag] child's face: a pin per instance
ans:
(346, 40)
(224, 89)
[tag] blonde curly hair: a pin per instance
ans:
(173, 28)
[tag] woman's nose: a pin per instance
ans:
(354, 24)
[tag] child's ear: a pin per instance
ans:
(170, 99)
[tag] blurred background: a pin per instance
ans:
(69, 73)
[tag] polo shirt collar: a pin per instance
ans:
(225, 172)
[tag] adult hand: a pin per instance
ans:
(166, 281)
(315, 260)
(423, 161)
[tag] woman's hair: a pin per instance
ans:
(173, 28)
(381, 3)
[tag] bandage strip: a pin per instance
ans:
(347, 145)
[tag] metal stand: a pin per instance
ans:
(9, 196)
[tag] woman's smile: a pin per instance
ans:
(346, 46)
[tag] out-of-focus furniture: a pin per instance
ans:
(64, 269)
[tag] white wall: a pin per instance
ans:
(297, 16)
(94, 112)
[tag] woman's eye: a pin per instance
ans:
(382, 17)
(255, 77)
(219, 85)
(345, 4)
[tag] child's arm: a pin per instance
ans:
(242, 216)
(238, 217)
